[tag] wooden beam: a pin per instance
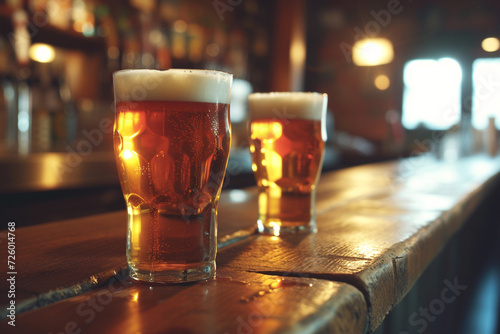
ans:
(289, 47)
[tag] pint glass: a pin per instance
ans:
(287, 142)
(171, 141)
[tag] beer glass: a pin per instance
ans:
(287, 140)
(171, 141)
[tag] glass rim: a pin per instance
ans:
(180, 70)
(287, 93)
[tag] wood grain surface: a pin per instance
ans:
(379, 227)
(62, 259)
(380, 240)
(235, 302)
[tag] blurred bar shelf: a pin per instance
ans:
(37, 172)
(69, 39)
(48, 34)
(56, 171)
(386, 231)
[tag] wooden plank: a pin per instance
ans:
(62, 259)
(21, 174)
(288, 47)
(236, 302)
(382, 241)
(378, 229)
(59, 260)
(339, 188)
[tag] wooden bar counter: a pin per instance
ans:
(379, 227)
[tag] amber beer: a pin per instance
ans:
(287, 142)
(171, 143)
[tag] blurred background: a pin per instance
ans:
(404, 79)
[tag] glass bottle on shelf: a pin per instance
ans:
(21, 41)
(70, 114)
(8, 109)
(24, 121)
(42, 124)
(57, 114)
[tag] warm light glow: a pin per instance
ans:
(42, 53)
(213, 50)
(49, 170)
(298, 52)
(490, 44)
(276, 226)
(275, 168)
(382, 82)
(266, 131)
(156, 37)
(78, 12)
(130, 124)
(135, 297)
(366, 249)
(276, 284)
(180, 26)
(372, 52)
(134, 214)
(127, 154)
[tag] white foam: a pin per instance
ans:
(173, 85)
(288, 105)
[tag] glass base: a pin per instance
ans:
(280, 228)
(182, 274)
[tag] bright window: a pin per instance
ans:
(432, 90)
(486, 91)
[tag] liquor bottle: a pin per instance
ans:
(21, 41)
(8, 126)
(70, 114)
(41, 124)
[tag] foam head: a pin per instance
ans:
(278, 105)
(172, 85)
